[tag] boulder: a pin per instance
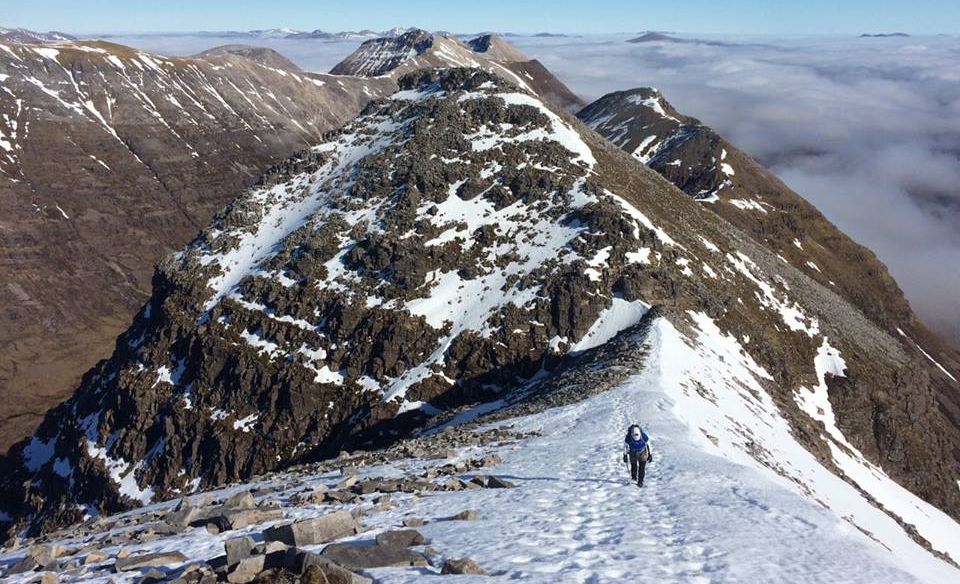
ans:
(315, 530)
(27, 564)
(347, 482)
(498, 483)
(400, 538)
(45, 555)
(183, 514)
(462, 566)
(341, 496)
(413, 522)
(154, 560)
(238, 548)
(49, 578)
(311, 496)
(466, 515)
(358, 556)
(94, 557)
(241, 500)
(412, 486)
(152, 576)
(318, 570)
(246, 570)
(488, 460)
(239, 518)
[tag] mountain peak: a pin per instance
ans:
(382, 55)
(418, 49)
(262, 55)
(494, 47)
(464, 242)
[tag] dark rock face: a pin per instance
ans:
(893, 426)
(109, 159)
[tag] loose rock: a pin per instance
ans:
(238, 548)
(400, 538)
(462, 566)
(315, 530)
(467, 515)
(154, 560)
(246, 570)
(357, 557)
(318, 570)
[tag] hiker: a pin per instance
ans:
(637, 453)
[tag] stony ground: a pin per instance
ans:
(269, 530)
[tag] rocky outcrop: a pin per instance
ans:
(109, 159)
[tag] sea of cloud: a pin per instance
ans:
(867, 129)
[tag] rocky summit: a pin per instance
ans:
(418, 49)
(459, 242)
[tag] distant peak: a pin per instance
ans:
(494, 47)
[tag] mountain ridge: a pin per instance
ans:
(232, 325)
(109, 158)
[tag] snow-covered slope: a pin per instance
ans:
(23, 35)
(731, 184)
(708, 511)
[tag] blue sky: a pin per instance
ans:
(717, 16)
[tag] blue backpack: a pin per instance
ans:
(636, 445)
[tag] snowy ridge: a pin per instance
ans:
(395, 56)
(708, 512)
(462, 303)
(641, 122)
